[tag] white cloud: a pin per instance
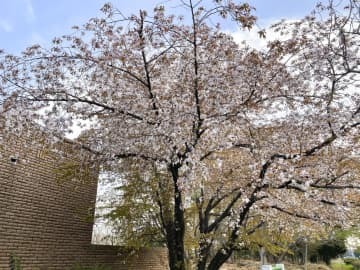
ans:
(6, 26)
(30, 14)
(252, 37)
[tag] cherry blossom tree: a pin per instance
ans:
(276, 130)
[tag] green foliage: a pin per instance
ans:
(15, 262)
(357, 252)
(355, 263)
(273, 239)
(135, 214)
(322, 247)
(328, 248)
(340, 265)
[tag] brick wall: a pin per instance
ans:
(47, 224)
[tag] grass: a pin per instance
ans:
(340, 265)
(255, 265)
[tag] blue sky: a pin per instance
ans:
(25, 22)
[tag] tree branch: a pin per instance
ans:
(295, 214)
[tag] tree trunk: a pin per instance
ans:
(176, 229)
(201, 264)
(204, 250)
(219, 259)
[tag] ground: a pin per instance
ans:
(251, 265)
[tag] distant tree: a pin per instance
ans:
(357, 252)
(331, 249)
(132, 212)
(329, 246)
(176, 92)
(333, 246)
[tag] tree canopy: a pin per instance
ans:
(237, 129)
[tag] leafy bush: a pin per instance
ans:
(15, 263)
(357, 252)
(355, 263)
(330, 249)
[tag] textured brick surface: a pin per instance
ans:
(46, 223)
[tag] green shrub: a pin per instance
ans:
(331, 248)
(355, 263)
(15, 263)
(357, 252)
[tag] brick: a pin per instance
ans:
(42, 221)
